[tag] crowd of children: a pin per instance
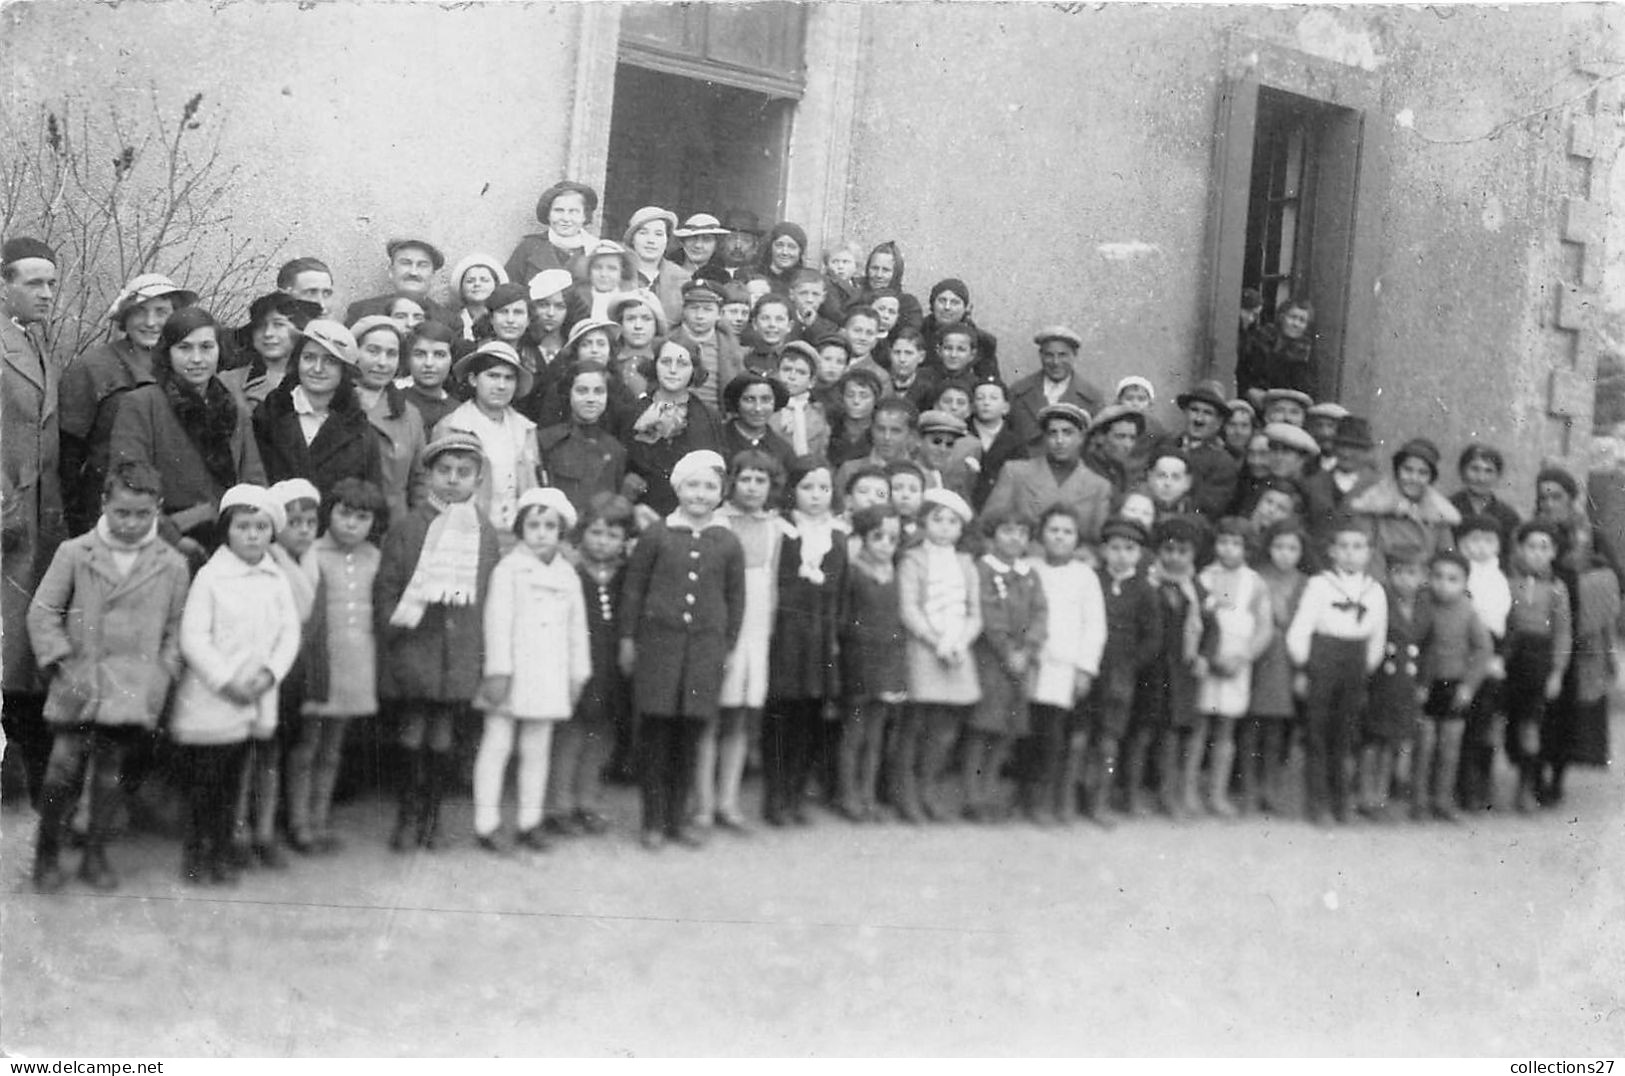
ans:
(787, 517)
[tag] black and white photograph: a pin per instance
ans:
(811, 530)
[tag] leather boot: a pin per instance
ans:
(411, 793)
(1170, 776)
(94, 869)
(1066, 790)
(439, 773)
(1218, 787)
(1102, 768)
(54, 804)
(1134, 776)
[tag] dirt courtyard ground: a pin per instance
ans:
(1503, 936)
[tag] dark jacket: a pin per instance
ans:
(443, 658)
(534, 253)
(1213, 472)
(806, 622)
(583, 461)
(345, 447)
(683, 604)
(653, 461)
(1027, 399)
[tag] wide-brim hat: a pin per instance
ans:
(1207, 392)
(742, 220)
(1293, 437)
(700, 224)
(504, 353)
(469, 261)
(436, 258)
(1275, 396)
(1115, 413)
(644, 216)
(1058, 332)
(587, 325)
(1071, 412)
(550, 282)
(333, 338)
(1353, 432)
(144, 287)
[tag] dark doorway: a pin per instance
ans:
(693, 146)
(1300, 204)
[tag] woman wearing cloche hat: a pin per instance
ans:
(85, 397)
(564, 209)
(312, 426)
(1405, 509)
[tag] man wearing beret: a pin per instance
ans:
(30, 487)
(1213, 469)
(1056, 381)
(1029, 486)
(412, 266)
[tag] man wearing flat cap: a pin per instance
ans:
(1214, 470)
(413, 262)
(30, 487)
(1056, 381)
(1030, 486)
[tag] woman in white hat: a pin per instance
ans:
(312, 426)
(380, 342)
(648, 234)
(495, 377)
(87, 395)
(474, 279)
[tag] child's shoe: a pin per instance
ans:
(594, 824)
(1445, 812)
(270, 857)
(488, 842)
(534, 839)
(95, 871)
(562, 825)
(1222, 807)
(223, 872)
(48, 876)
(302, 842)
(652, 840)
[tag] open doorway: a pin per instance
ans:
(693, 146)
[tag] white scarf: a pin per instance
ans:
(447, 571)
(124, 553)
(570, 242)
(817, 536)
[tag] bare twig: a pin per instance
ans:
(124, 197)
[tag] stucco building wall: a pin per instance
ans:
(1059, 158)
